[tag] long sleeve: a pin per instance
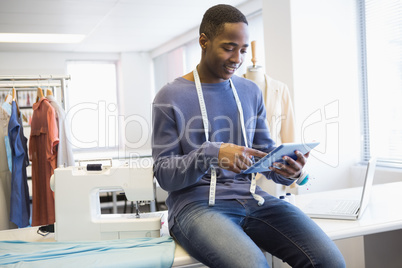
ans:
(52, 137)
(174, 169)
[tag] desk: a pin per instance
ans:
(182, 259)
(382, 214)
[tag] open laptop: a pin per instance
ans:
(344, 209)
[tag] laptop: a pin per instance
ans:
(344, 209)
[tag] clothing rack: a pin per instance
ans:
(34, 81)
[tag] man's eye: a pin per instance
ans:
(228, 49)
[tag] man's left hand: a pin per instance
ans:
(293, 169)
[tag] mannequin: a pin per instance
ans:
(280, 115)
(277, 102)
(257, 75)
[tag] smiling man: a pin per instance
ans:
(208, 126)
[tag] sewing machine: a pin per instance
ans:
(77, 203)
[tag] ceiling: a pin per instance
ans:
(109, 25)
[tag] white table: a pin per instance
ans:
(382, 214)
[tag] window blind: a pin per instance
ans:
(381, 94)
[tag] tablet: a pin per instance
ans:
(276, 155)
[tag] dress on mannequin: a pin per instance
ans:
(278, 104)
(280, 116)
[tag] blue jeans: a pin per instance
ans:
(231, 233)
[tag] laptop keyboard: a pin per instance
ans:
(346, 207)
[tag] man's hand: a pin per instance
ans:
(294, 168)
(237, 158)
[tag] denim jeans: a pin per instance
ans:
(231, 233)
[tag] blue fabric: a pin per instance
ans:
(8, 153)
(230, 234)
(7, 107)
(138, 252)
(19, 204)
(183, 157)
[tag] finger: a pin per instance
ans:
(243, 161)
(301, 158)
(236, 166)
(291, 170)
(286, 172)
(280, 171)
(298, 163)
(255, 153)
(246, 158)
(240, 165)
(235, 169)
(292, 165)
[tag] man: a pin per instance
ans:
(208, 126)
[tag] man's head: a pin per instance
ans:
(215, 18)
(224, 42)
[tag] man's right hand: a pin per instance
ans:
(237, 158)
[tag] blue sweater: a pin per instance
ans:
(181, 154)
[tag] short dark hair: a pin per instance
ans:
(215, 18)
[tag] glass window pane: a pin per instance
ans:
(92, 104)
(384, 77)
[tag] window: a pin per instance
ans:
(381, 39)
(91, 101)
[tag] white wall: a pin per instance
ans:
(312, 46)
(137, 92)
(278, 41)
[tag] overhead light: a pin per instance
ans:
(40, 38)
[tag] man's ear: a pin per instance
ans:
(203, 41)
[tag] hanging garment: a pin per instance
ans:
(7, 109)
(278, 104)
(280, 117)
(64, 151)
(5, 174)
(280, 113)
(281, 121)
(20, 204)
(43, 154)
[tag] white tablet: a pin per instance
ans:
(276, 155)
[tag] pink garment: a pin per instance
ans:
(43, 154)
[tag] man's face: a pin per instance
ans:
(226, 52)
